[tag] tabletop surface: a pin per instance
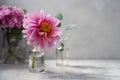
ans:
(77, 70)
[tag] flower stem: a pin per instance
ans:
(6, 59)
(12, 53)
(33, 60)
(61, 52)
(16, 56)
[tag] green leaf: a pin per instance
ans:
(59, 16)
(64, 39)
(59, 25)
(25, 11)
(16, 32)
(69, 27)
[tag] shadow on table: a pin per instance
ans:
(86, 67)
(5, 67)
(74, 76)
(94, 73)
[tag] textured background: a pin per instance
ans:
(98, 25)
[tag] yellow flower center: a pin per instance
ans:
(45, 27)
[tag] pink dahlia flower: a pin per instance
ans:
(41, 29)
(11, 16)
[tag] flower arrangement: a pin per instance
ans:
(41, 30)
(62, 52)
(59, 16)
(11, 17)
(11, 21)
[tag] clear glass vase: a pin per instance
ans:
(14, 53)
(11, 50)
(36, 61)
(62, 55)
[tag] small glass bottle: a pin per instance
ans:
(36, 61)
(62, 55)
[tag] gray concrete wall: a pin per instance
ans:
(97, 35)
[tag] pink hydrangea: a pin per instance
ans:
(41, 29)
(11, 16)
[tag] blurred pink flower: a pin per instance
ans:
(11, 16)
(41, 29)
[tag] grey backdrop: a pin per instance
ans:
(98, 25)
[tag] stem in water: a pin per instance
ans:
(33, 60)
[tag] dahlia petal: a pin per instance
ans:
(51, 43)
(43, 15)
(53, 21)
(26, 31)
(42, 45)
(55, 32)
(33, 35)
(29, 42)
(26, 36)
(39, 21)
(41, 33)
(56, 38)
